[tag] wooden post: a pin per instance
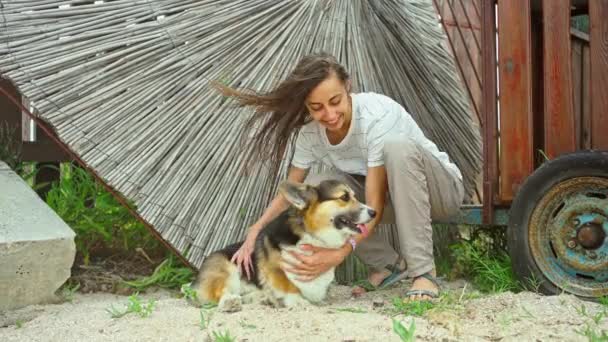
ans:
(515, 96)
(559, 125)
(598, 40)
(488, 74)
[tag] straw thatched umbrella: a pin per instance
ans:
(124, 84)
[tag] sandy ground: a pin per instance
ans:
(461, 316)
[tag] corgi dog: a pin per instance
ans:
(326, 215)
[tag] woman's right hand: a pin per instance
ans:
(242, 257)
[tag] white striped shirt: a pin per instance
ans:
(375, 118)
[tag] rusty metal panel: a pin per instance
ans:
(515, 96)
(598, 12)
(559, 125)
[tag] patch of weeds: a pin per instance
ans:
(134, 305)
(18, 324)
(593, 335)
(222, 336)
(532, 283)
(170, 274)
(454, 300)
(189, 294)
(246, 325)
(414, 307)
(603, 301)
(483, 259)
(406, 334)
(98, 219)
(353, 310)
(582, 310)
(597, 318)
(68, 290)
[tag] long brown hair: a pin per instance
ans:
(281, 112)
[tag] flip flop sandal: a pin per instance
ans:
(398, 273)
(432, 294)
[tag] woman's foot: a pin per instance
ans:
(374, 279)
(383, 278)
(424, 287)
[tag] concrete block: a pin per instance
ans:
(37, 247)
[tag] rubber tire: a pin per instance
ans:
(551, 173)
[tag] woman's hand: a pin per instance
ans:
(242, 257)
(320, 261)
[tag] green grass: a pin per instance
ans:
(134, 305)
(170, 274)
(484, 261)
(67, 291)
(204, 318)
(222, 336)
(414, 307)
(98, 219)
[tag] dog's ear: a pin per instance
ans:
(298, 194)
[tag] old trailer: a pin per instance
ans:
(543, 108)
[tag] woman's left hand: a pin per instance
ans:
(311, 266)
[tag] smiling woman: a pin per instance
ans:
(376, 147)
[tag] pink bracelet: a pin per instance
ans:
(353, 243)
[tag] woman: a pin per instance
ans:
(375, 146)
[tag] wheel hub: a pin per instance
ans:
(591, 235)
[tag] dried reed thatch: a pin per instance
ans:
(125, 85)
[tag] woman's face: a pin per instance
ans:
(329, 103)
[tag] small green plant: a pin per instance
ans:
(18, 324)
(205, 319)
(593, 335)
(413, 307)
(406, 334)
(222, 336)
(246, 325)
(134, 305)
(353, 310)
(603, 301)
(170, 274)
(189, 293)
(68, 290)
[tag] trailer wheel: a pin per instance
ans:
(558, 226)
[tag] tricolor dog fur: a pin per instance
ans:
(324, 216)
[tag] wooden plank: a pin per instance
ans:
(586, 94)
(577, 89)
(559, 126)
(9, 113)
(490, 134)
(598, 12)
(515, 88)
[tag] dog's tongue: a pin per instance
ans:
(363, 229)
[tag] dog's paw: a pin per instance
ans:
(230, 303)
(294, 300)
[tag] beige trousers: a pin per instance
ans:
(420, 189)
